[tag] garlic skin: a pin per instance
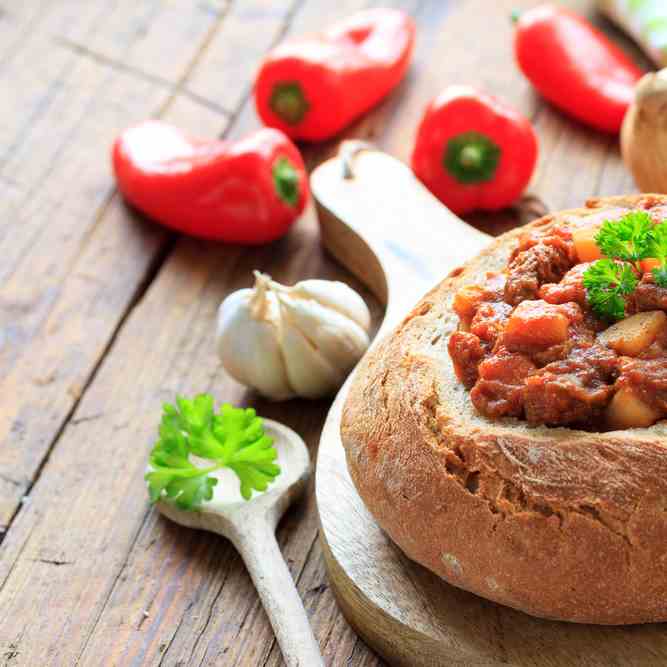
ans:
(644, 134)
(292, 341)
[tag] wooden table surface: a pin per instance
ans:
(104, 316)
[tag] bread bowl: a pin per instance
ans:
(561, 523)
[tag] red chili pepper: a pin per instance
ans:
(473, 152)
(248, 192)
(314, 87)
(575, 66)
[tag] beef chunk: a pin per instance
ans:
(573, 390)
(569, 289)
(648, 296)
(466, 351)
(499, 390)
(490, 320)
(558, 236)
(544, 262)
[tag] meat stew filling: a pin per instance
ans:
(528, 345)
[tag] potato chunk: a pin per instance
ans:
(631, 336)
(584, 243)
(627, 410)
(536, 324)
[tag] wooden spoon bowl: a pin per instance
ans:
(251, 526)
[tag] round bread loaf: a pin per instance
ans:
(559, 523)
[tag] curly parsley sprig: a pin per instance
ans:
(231, 438)
(627, 239)
(625, 243)
(607, 284)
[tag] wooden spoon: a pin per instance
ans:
(251, 526)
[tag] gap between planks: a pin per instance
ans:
(162, 253)
(174, 89)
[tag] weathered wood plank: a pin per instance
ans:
(158, 38)
(74, 260)
(340, 645)
(62, 301)
(18, 21)
(227, 67)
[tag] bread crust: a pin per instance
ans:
(556, 522)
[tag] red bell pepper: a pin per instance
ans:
(247, 192)
(473, 152)
(574, 66)
(313, 87)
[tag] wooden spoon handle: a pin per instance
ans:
(381, 223)
(258, 546)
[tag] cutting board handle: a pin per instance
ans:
(381, 223)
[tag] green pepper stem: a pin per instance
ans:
(288, 102)
(471, 157)
(286, 181)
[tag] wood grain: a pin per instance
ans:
(73, 260)
(124, 316)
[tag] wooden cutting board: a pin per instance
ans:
(387, 229)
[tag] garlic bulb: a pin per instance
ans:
(644, 134)
(292, 341)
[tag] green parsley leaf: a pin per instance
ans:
(660, 276)
(628, 239)
(607, 283)
(247, 450)
(659, 251)
(187, 488)
(658, 247)
(232, 438)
